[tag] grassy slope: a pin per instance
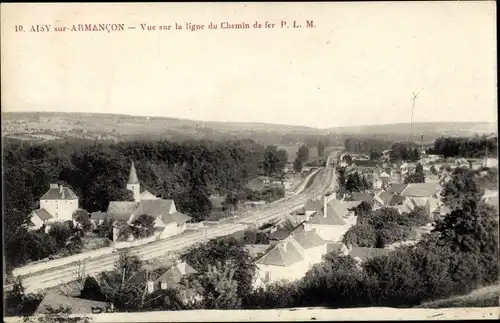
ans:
(484, 297)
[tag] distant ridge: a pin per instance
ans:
(418, 127)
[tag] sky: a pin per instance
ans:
(358, 66)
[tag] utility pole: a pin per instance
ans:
(411, 120)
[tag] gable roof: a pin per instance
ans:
(146, 195)
(364, 253)
(154, 208)
(78, 305)
(278, 256)
(176, 217)
(59, 193)
(43, 214)
(360, 197)
(421, 189)
(396, 188)
(255, 249)
(121, 210)
(313, 205)
(97, 216)
(308, 239)
(404, 208)
(384, 175)
(174, 274)
(332, 218)
(217, 202)
(335, 246)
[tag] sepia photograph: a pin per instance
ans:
(209, 162)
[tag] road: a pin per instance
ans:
(322, 183)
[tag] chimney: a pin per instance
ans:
(54, 186)
(60, 189)
(284, 245)
(325, 204)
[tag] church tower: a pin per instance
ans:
(133, 183)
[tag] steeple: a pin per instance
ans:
(133, 183)
(132, 178)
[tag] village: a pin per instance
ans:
(283, 250)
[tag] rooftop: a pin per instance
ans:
(59, 193)
(363, 253)
(283, 254)
(78, 305)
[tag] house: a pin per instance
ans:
(171, 276)
(77, 305)
(396, 188)
(388, 199)
(491, 163)
(313, 246)
(98, 218)
(362, 254)
(58, 204)
(333, 221)
(167, 220)
(256, 250)
(339, 247)
(311, 207)
(491, 197)
(283, 262)
(397, 176)
(292, 257)
(359, 197)
(385, 177)
(421, 190)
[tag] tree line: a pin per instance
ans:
(475, 147)
(187, 172)
(465, 147)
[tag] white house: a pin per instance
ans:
(333, 221)
(57, 205)
(283, 262)
(291, 257)
(167, 220)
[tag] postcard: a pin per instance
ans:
(249, 161)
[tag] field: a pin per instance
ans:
(96, 126)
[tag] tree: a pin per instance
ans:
(462, 189)
(471, 229)
(126, 286)
(360, 235)
(219, 288)
(416, 177)
(165, 299)
(337, 282)
(61, 232)
(82, 217)
(419, 216)
(348, 159)
(375, 155)
(18, 303)
(303, 154)
(274, 160)
(91, 290)
(144, 225)
(321, 148)
(362, 211)
(124, 230)
(224, 250)
(297, 166)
